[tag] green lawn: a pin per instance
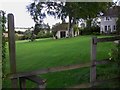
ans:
(51, 53)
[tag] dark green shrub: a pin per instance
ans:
(91, 30)
(95, 33)
(42, 34)
(115, 56)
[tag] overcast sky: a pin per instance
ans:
(22, 17)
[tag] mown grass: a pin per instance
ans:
(50, 53)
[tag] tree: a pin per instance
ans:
(74, 10)
(39, 27)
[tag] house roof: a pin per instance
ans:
(112, 11)
(62, 26)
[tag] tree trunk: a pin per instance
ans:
(89, 21)
(74, 23)
(70, 27)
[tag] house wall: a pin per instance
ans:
(58, 33)
(111, 23)
(66, 33)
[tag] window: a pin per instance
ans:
(105, 28)
(109, 29)
(114, 27)
(107, 18)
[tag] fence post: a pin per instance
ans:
(12, 52)
(22, 82)
(93, 61)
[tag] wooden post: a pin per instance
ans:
(22, 83)
(12, 52)
(0, 52)
(93, 61)
(41, 87)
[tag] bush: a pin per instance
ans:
(42, 34)
(91, 30)
(115, 56)
(18, 37)
(96, 33)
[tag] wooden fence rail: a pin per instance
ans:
(57, 69)
(32, 75)
(108, 39)
(48, 70)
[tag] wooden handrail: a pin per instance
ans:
(57, 69)
(36, 79)
(48, 70)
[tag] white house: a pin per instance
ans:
(62, 34)
(61, 30)
(108, 20)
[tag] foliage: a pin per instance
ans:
(92, 30)
(42, 34)
(19, 32)
(74, 10)
(38, 14)
(28, 34)
(3, 45)
(75, 27)
(115, 56)
(17, 37)
(39, 27)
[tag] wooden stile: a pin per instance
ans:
(12, 52)
(93, 61)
